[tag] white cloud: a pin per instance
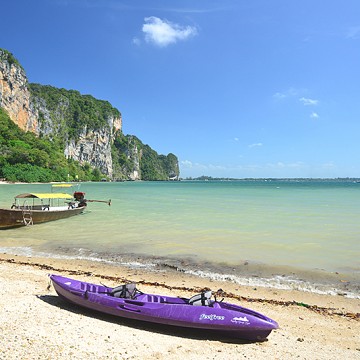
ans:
(353, 32)
(291, 92)
(314, 115)
(163, 33)
(279, 96)
(307, 101)
(187, 163)
(136, 41)
(255, 145)
(278, 169)
(329, 165)
(236, 139)
(281, 165)
(189, 168)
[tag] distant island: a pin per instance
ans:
(210, 178)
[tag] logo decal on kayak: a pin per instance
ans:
(211, 317)
(240, 320)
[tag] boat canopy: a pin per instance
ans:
(44, 196)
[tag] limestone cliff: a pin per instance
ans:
(90, 129)
(14, 93)
(86, 125)
(31, 112)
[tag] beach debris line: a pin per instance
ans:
(318, 309)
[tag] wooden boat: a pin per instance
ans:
(126, 301)
(36, 208)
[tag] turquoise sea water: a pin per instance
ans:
(285, 234)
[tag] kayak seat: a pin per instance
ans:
(127, 291)
(202, 299)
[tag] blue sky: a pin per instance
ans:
(233, 88)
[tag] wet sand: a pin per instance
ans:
(36, 324)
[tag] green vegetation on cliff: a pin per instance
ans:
(9, 57)
(75, 110)
(73, 124)
(157, 167)
(152, 166)
(27, 158)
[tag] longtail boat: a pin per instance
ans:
(36, 208)
(198, 312)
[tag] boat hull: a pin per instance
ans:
(10, 218)
(221, 318)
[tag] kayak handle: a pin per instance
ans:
(124, 307)
(78, 292)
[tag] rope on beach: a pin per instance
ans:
(315, 308)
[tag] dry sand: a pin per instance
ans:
(36, 324)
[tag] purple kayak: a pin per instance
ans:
(198, 312)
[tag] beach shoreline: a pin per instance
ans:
(247, 273)
(35, 320)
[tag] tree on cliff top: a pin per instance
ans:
(9, 57)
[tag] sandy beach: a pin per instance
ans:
(36, 324)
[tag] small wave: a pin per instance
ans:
(276, 282)
(281, 282)
(82, 255)
(21, 250)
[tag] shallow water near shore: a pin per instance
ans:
(285, 234)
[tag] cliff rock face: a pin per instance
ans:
(90, 129)
(32, 113)
(14, 93)
(93, 148)
(134, 154)
(89, 146)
